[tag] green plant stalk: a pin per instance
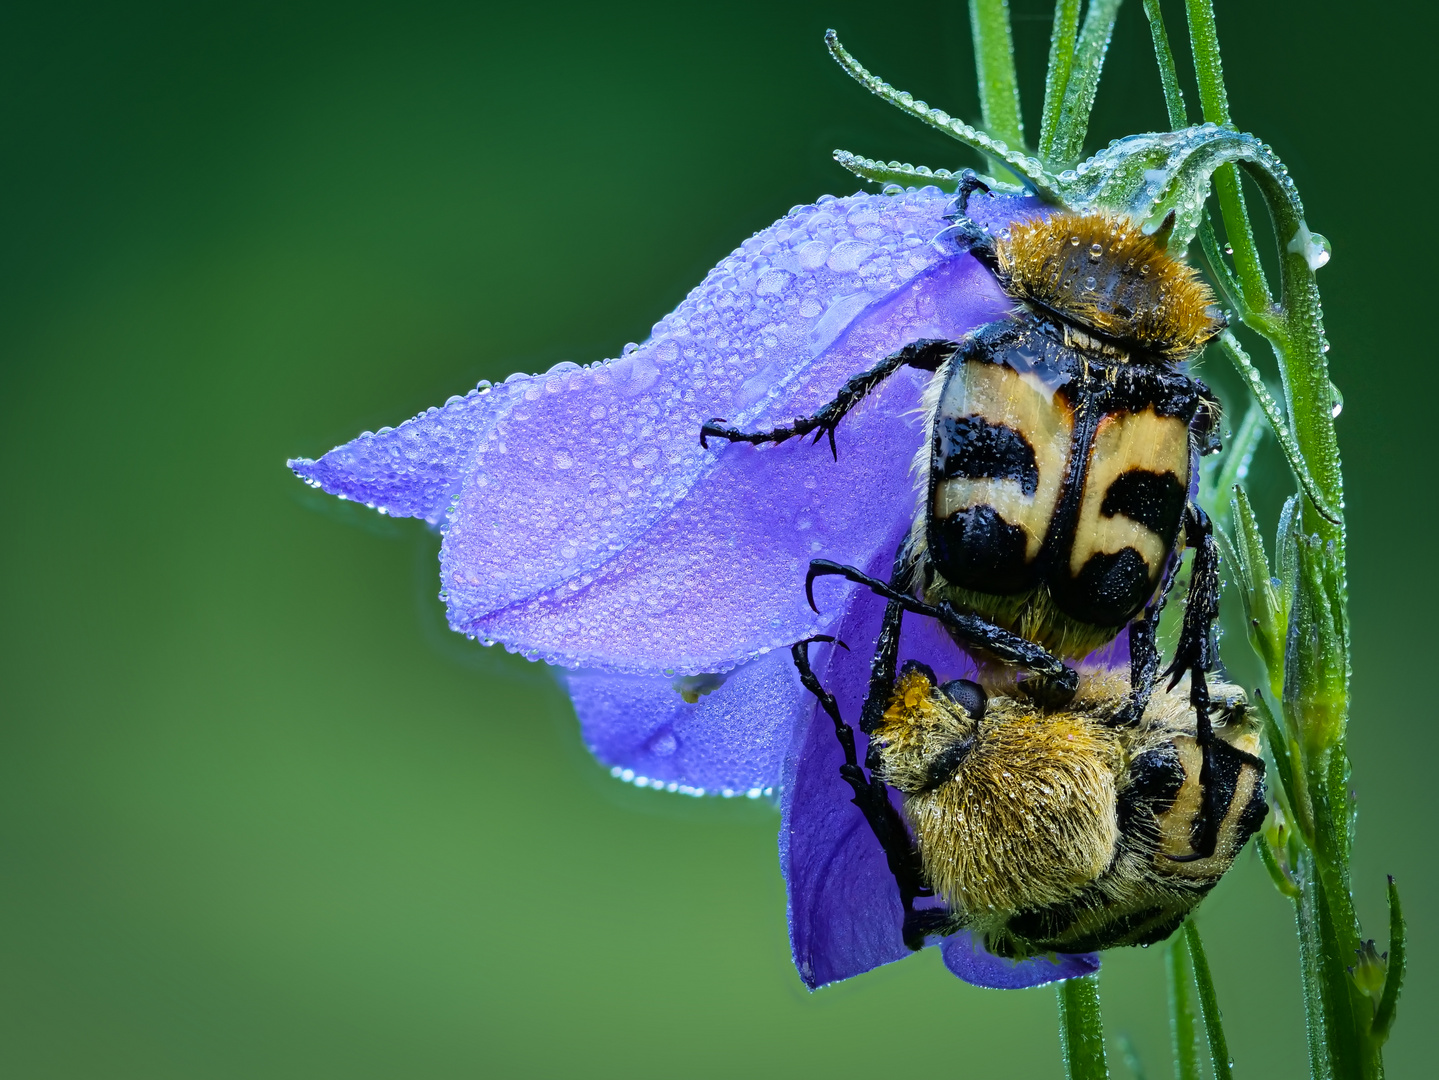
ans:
(1056, 79)
(1083, 83)
(1081, 1031)
(998, 83)
(1316, 678)
(1208, 1004)
(1181, 1011)
(1214, 106)
(1168, 76)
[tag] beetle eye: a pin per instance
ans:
(969, 696)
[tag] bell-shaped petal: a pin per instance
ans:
(585, 525)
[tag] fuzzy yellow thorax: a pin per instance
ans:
(1100, 271)
(1028, 817)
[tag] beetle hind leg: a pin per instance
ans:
(1195, 655)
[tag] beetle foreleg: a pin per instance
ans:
(1054, 682)
(927, 355)
(871, 795)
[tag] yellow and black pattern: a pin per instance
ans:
(1059, 830)
(1058, 478)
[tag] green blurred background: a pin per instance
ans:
(260, 813)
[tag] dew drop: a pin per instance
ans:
(1338, 401)
(1095, 251)
(1089, 282)
(1313, 246)
(1074, 241)
(1144, 269)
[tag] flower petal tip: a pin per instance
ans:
(967, 958)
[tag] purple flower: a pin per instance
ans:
(585, 526)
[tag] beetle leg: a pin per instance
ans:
(871, 794)
(926, 354)
(1195, 655)
(1053, 683)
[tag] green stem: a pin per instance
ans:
(1089, 53)
(1081, 1031)
(1343, 1041)
(1214, 103)
(1056, 79)
(1181, 1011)
(994, 63)
(1208, 1004)
(1168, 77)
(1342, 1044)
(1287, 442)
(1311, 978)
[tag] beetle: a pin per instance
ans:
(1048, 828)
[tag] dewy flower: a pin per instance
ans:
(584, 525)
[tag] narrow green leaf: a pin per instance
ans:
(895, 173)
(1152, 175)
(1394, 980)
(1250, 374)
(1015, 159)
(1282, 881)
(1208, 69)
(1287, 763)
(1208, 1005)
(1168, 77)
(1181, 1011)
(1089, 54)
(1265, 608)
(1081, 1031)
(994, 64)
(1231, 290)
(1286, 558)
(1316, 670)
(1056, 79)
(1220, 473)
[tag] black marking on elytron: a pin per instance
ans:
(1155, 778)
(972, 447)
(1109, 589)
(1225, 765)
(977, 549)
(1254, 813)
(1154, 500)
